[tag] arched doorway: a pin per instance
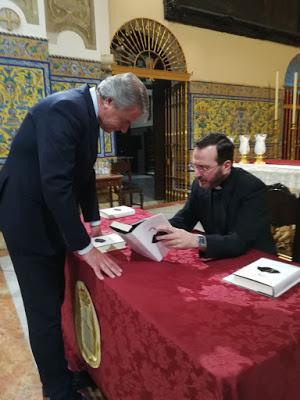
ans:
(291, 120)
(148, 49)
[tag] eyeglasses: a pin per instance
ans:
(203, 169)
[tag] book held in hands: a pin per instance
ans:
(117, 212)
(108, 242)
(266, 276)
(141, 236)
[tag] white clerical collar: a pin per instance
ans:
(94, 98)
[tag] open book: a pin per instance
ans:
(108, 242)
(141, 236)
(266, 276)
(117, 212)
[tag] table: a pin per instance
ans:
(288, 175)
(109, 181)
(175, 331)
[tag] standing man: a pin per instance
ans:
(47, 178)
(229, 202)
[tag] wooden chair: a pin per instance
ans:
(128, 189)
(285, 220)
(105, 185)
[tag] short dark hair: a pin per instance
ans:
(224, 146)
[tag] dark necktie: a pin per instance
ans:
(218, 211)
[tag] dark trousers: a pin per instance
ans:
(41, 281)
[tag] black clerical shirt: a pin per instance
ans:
(235, 217)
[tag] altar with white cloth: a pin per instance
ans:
(288, 175)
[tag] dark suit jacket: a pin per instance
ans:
(246, 218)
(49, 174)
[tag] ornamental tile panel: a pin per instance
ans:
(22, 84)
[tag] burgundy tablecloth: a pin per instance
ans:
(175, 330)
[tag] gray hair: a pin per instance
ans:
(126, 90)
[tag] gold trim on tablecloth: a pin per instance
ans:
(87, 326)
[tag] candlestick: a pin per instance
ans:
(276, 95)
(275, 151)
(260, 148)
(293, 141)
(244, 148)
(295, 97)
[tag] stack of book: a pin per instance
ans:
(108, 242)
(266, 276)
(117, 212)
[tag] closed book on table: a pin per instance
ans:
(109, 242)
(117, 212)
(140, 236)
(266, 276)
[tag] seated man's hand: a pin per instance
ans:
(101, 263)
(177, 238)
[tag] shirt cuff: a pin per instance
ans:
(95, 223)
(86, 249)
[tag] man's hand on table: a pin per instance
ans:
(178, 238)
(101, 263)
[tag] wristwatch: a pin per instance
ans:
(202, 242)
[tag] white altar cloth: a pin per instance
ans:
(288, 175)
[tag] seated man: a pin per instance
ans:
(229, 203)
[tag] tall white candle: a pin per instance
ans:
(295, 97)
(276, 95)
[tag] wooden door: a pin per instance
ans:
(291, 133)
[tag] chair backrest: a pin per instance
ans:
(122, 166)
(128, 188)
(285, 220)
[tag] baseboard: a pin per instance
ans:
(163, 204)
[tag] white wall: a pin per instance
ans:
(25, 28)
(210, 55)
(70, 44)
(66, 43)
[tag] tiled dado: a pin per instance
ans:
(233, 110)
(19, 378)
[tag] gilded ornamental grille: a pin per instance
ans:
(145, 43)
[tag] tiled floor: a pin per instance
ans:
(146, 182)
(19, 378)
(14, 290)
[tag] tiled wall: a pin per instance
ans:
(27, 74)
(24, 80)
(233, 110)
